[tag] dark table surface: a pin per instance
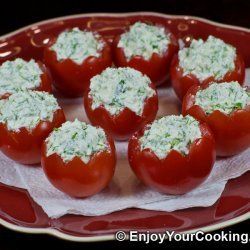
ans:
(15, 14)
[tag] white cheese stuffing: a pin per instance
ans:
(19, 75)
(143, 40)
(225, 97)
(27, 109)
(76, 139)
(170, 132)
(77, 45)
(207, 58)
(117, 88)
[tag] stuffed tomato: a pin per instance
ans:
(74, 58)
(226, 109)
(121, 100)
(26, 119)
(173, 155)
(147, 48)
(79, 159)
(203, 62)
(18, 75)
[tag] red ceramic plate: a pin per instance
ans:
(17, 209)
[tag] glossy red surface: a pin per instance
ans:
(181, 83)
(156, 68)
(16, 206)
(175, 174)
(127, 122)
(234, 202)
(72, 79)
(77, 178)
(25, 146)
(231, 132)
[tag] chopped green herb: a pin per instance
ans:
(170, 132)
(77, 45)
(143, 39)
(210, 58)
(225, 97)
(27, 109)
(19, 75)
(117, 88)
(74, 135)
(76, 139)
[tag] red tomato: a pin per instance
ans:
(124, 124)
(231, 132)
(45, 79)
(45, 83)
(156, 68)
(181, 83)
(71, 78)
(77, 178)
(176, 173)
(25, 146)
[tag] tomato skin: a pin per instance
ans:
(72, 79)
(231, 132)
(156, 68)
(181, 83)
(45, 83)
(77, 178)
(176, 173)
(124, 124)
(25, 147)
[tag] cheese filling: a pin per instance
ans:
(210, 58)
(225, 97)
(19, 75)
(170, 132)
(77, 45)
(76, 139)
(26, 109)
(118, 88)
(143, 40)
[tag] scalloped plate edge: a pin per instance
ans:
(124, 15)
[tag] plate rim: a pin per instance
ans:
(109, 237)
(55, 232)
(124, 14)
